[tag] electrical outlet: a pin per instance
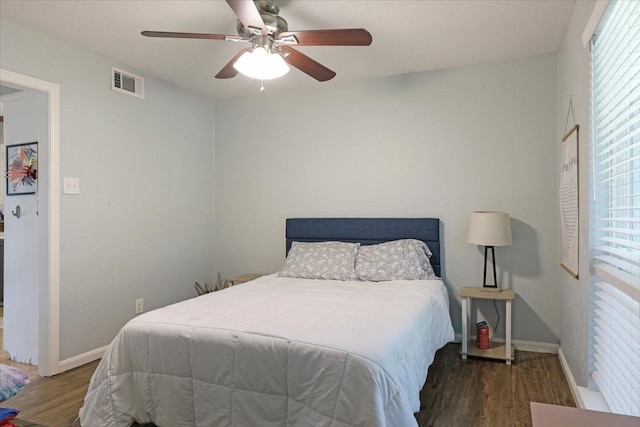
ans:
(139, 305)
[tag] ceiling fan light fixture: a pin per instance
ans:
(261, 65)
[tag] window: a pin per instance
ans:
(615, 208)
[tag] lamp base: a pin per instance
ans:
(495, 287)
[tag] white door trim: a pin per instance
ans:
(49, 293)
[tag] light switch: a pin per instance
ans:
(70, 185)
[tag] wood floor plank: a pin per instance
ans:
(480, 392)
(530, 385)
(554, 368)
(562, 394)
(497, 406)
(54, 401)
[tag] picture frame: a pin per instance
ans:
(22, 169)
(568, 199)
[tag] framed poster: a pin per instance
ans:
(569, 207)
(22, 169)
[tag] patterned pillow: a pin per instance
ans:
(397, 260)
(322, 260)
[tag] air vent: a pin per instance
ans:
(126, 82)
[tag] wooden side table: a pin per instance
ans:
(497, 350)
(244, 278)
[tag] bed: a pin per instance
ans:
(284, 351)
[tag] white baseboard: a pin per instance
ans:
(533, 346)
(584, 398)
(81, 359)
(577, 397)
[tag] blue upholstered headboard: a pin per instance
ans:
(367, 231)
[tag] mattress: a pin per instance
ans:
(275, 352)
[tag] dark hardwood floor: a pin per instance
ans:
(481, 392)
(475, 392)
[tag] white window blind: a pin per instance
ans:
(615, 208)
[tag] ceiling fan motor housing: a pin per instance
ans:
(269, 13)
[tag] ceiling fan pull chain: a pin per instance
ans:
(261, 85)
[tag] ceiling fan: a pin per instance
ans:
(272, 42)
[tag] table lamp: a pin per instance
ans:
(489, 229)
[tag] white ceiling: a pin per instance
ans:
(408, 36)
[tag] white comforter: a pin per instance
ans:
(275, 352)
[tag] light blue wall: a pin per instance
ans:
(432, 144)
(573, 83)
(142, 226)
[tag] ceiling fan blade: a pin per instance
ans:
(307, 65)
(228, 71)
(172, 35)
(248, 14)
(344, 37)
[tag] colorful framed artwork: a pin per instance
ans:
(22, 169)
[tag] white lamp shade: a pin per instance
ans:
(489, 228)
(262, 65)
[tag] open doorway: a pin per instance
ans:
(43, 348)
(25, 137)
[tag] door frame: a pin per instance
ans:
(49, 293)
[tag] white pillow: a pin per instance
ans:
(322, 260)
(406, 259)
